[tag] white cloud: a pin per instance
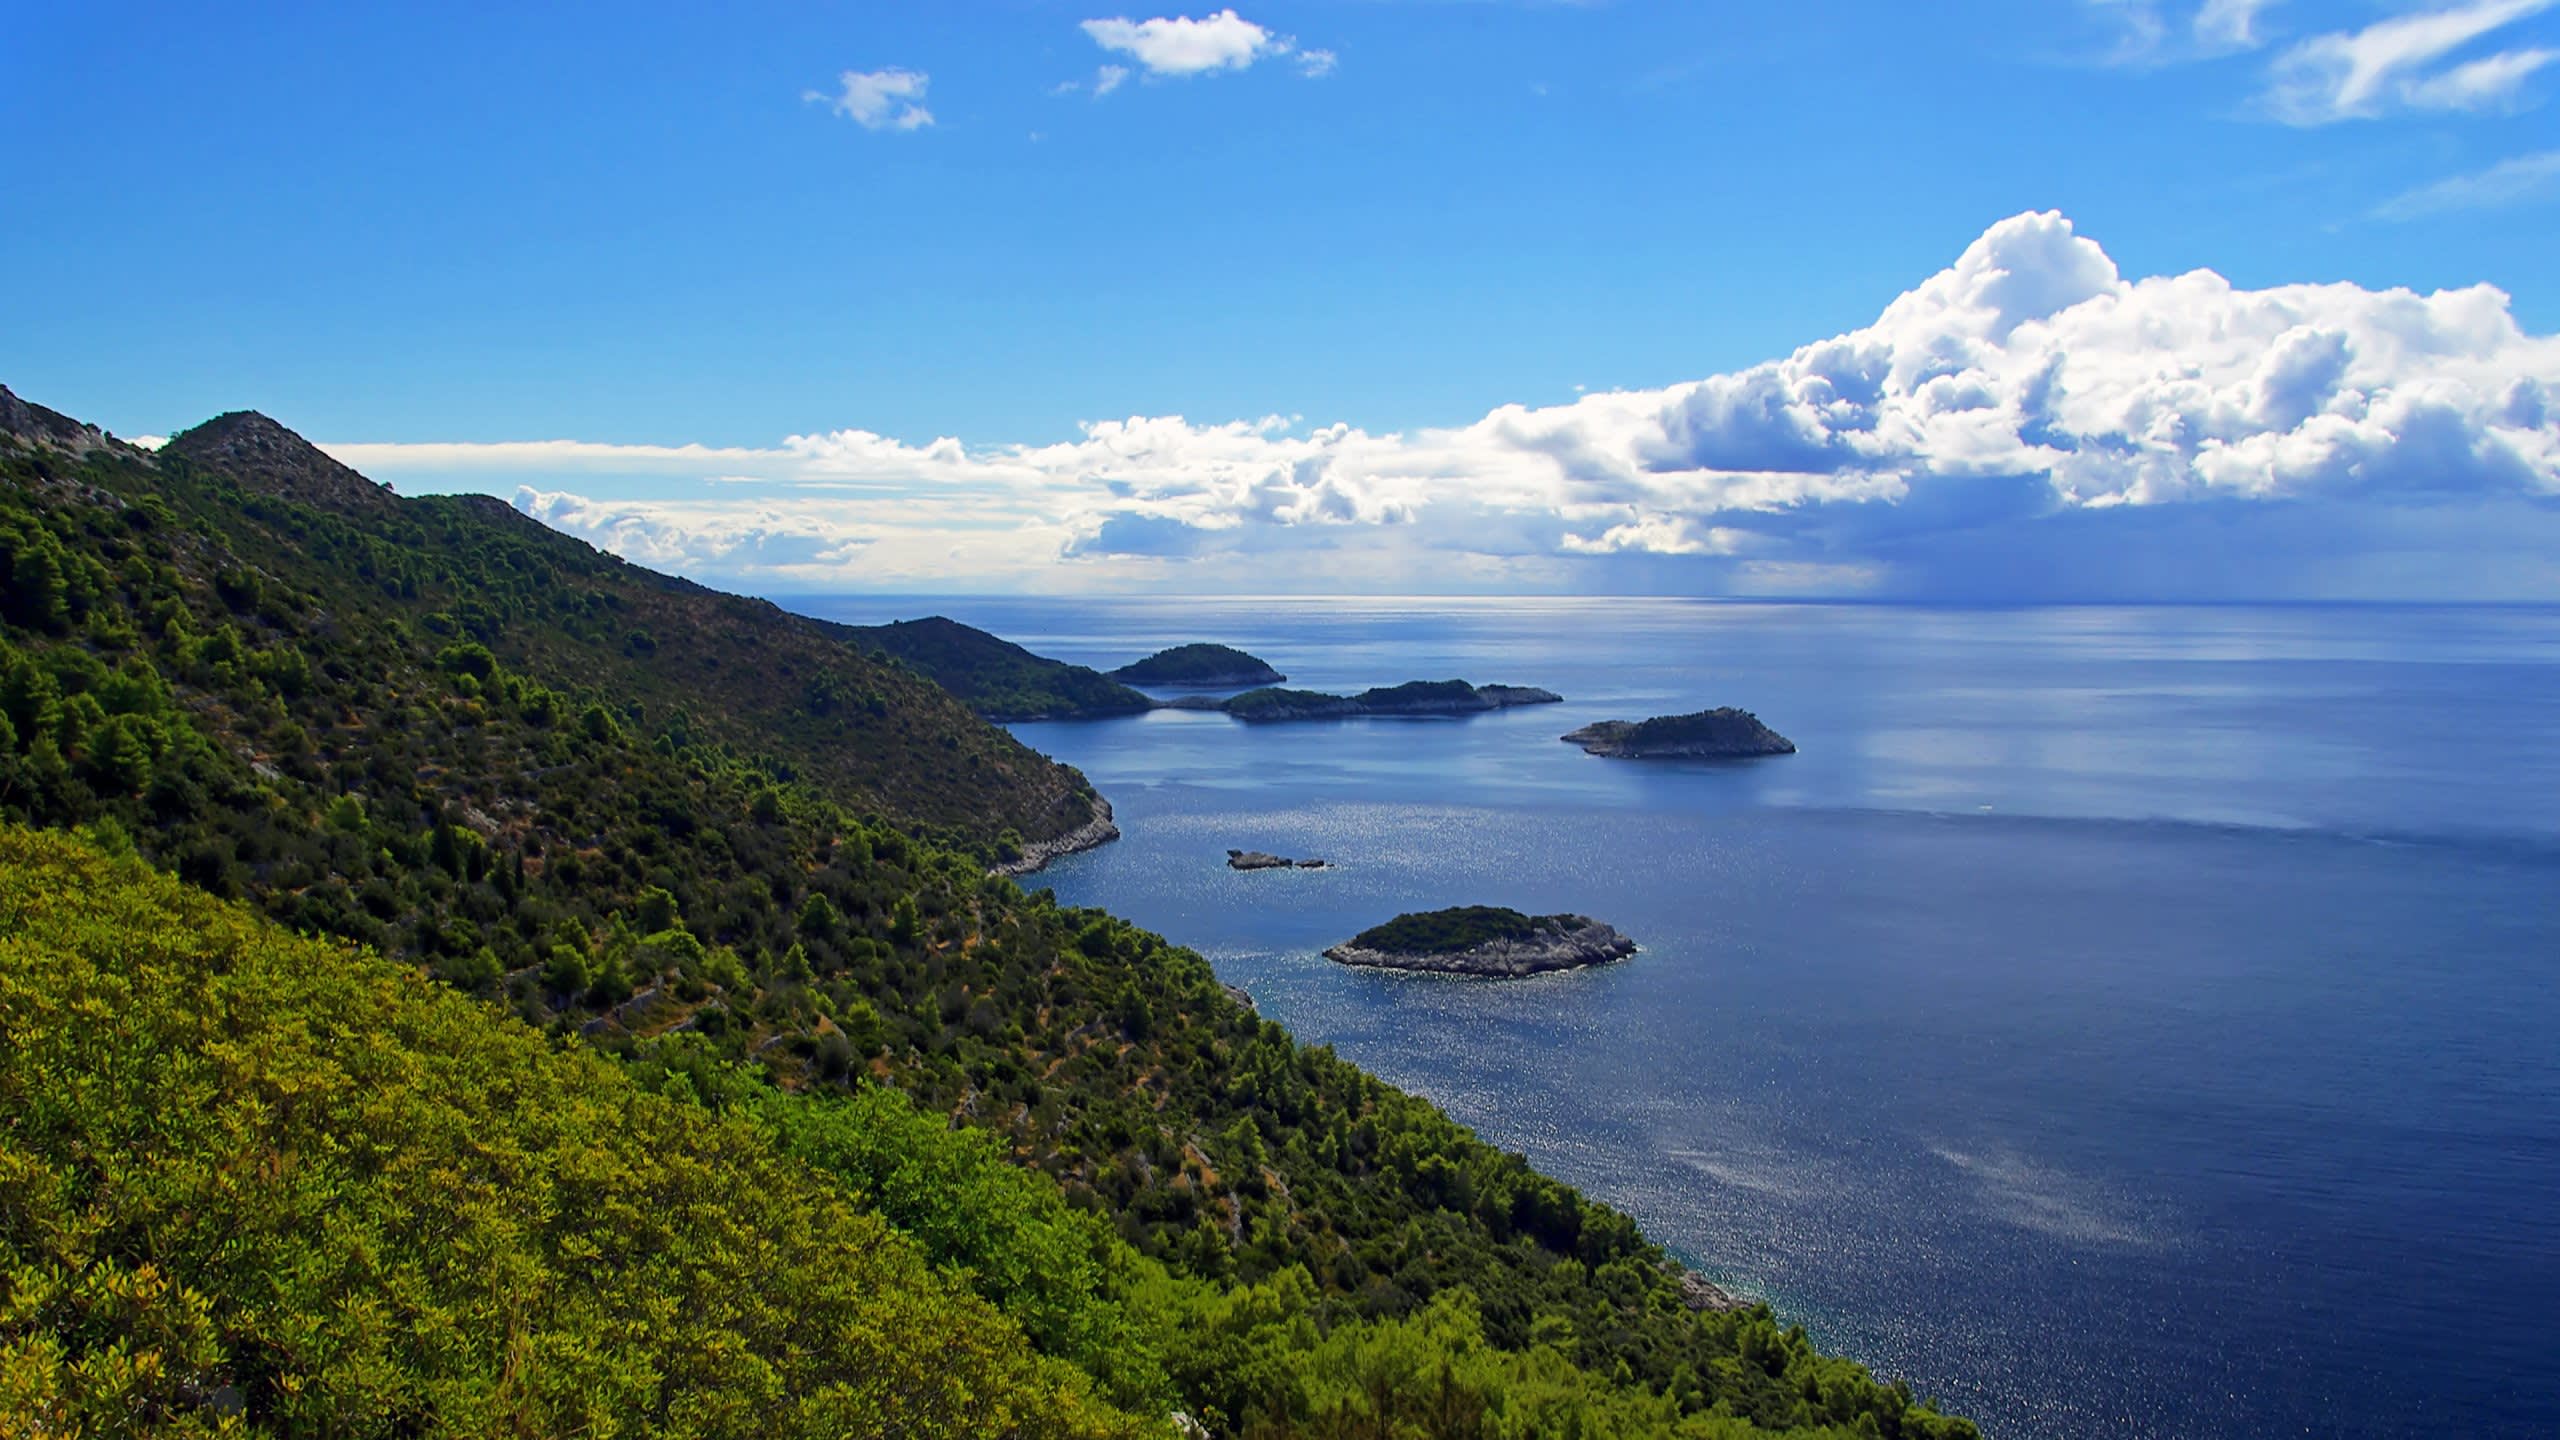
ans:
(2517, 181)
(2027, 418)
(2394, 65)
(891, 99)
(2230, 24)
(1179, 46)
(2147, 33)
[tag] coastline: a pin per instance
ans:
(1035, 857)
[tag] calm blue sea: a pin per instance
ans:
(2119, 1022)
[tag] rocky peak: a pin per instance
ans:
(263, 455)
(33, 424)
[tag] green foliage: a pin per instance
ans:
(1459, 928)
(259, 1185)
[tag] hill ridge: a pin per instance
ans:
(260, 452)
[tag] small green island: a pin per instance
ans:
(1484, 940)
(1413, 698)
(1199, 666)
(1721, 734)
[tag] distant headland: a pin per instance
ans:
(1710, 734)
(1484, 940)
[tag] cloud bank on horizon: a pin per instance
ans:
(2027, 424)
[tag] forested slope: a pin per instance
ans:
(787, 692)
(433, 728)
(249, 1175)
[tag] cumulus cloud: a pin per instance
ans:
(2027, 422)
(1180, 47)
(2399, 64)
(891, 99)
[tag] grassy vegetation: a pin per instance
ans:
(405, 723)
(1431, 932)
(999, 679)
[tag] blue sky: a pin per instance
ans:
(642, 228)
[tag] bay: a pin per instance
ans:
(2129, 1022)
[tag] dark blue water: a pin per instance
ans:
(2118, 1022)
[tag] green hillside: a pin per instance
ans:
(426, 726)
(256, 1177)
(318, 556)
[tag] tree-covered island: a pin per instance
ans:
(1487, 940)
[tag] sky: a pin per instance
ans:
(2012, 300)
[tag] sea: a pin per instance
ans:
(2124, 1022)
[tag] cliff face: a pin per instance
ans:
(1569, 944)
(1709, 734)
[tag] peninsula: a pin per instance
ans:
(998, 679)
(1712, 734)
(1484, 940)
(1203, 667)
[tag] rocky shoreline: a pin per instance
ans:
(1579, 942)
(1700, 1293)
(1097, 831)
